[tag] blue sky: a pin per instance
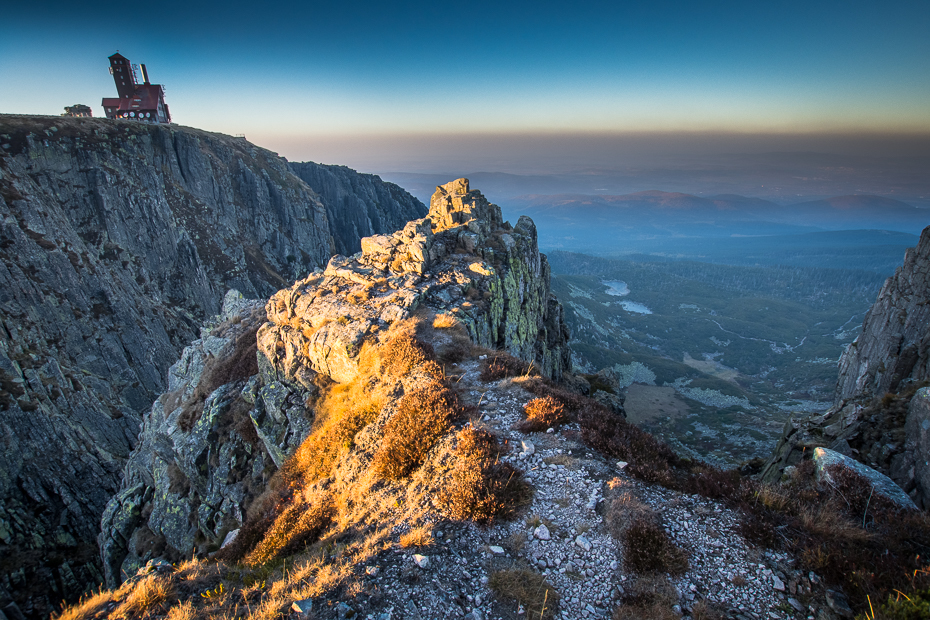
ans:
(323, 80)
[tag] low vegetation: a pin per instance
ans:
(528, 589)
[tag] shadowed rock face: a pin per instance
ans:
(894, 346)
(358, 205)
(117, 240)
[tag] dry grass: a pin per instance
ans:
(423, 416)
(702, 610)
(528, 588)
(647, 548)
(445, 321)
(481, 487)
(542, 414)
(297, 526)
(88, 607)
(182, 611)
(240, 364)
(146, 597)
(420, 536)
(502, 365)
(650, 597)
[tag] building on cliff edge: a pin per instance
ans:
(140, 102)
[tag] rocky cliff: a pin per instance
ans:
(200, 464)
(358, 205)
(875, 417)
(117, 241)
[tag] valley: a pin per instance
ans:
(714, 358)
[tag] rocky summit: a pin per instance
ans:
(462, 259)
(201, 462)
(117, 241)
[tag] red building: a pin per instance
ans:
(141, 102)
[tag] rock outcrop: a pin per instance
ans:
(462, 259)
(196, 470)
(117, 240)
(894, 346)
(874, 418)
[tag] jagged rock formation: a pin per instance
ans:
(462, 260)
(358, 205)
(873, 418)
(894, 346)
(117, 240)
(177, 497)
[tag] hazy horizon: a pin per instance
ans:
(359, 84)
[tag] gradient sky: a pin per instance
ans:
(348, 82)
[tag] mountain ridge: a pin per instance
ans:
(117, 240)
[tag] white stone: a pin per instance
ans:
(421, 560)
(778, 584)
(542, 532)
(528, 447)
(583, 542)
(496, 550)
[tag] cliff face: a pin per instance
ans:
(894, 346)
(875, 417)
(117, 240)
(358, 205)
(189, 484)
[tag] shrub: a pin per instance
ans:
(650, 597)
(913, 606)
(542, 414)
(649, 459)
(240, 363)
(528, 588)
(647, 548)
(423, 416)
(297, 526)
(502, 365)
(482, 488)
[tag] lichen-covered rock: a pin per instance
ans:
(200, 463)
(461, 260)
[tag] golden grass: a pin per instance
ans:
(182, 611)
(445, 321)
(420, 536)
(423, 416)
(542, 414)
(481, 486)
(145, 597)
(87, 607)
(300, 524)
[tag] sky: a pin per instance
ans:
(419, 85)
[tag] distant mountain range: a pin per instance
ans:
(666, 214)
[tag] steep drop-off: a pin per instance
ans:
(358, 205)
(198, 469)
(117, 240)
(875, 417)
